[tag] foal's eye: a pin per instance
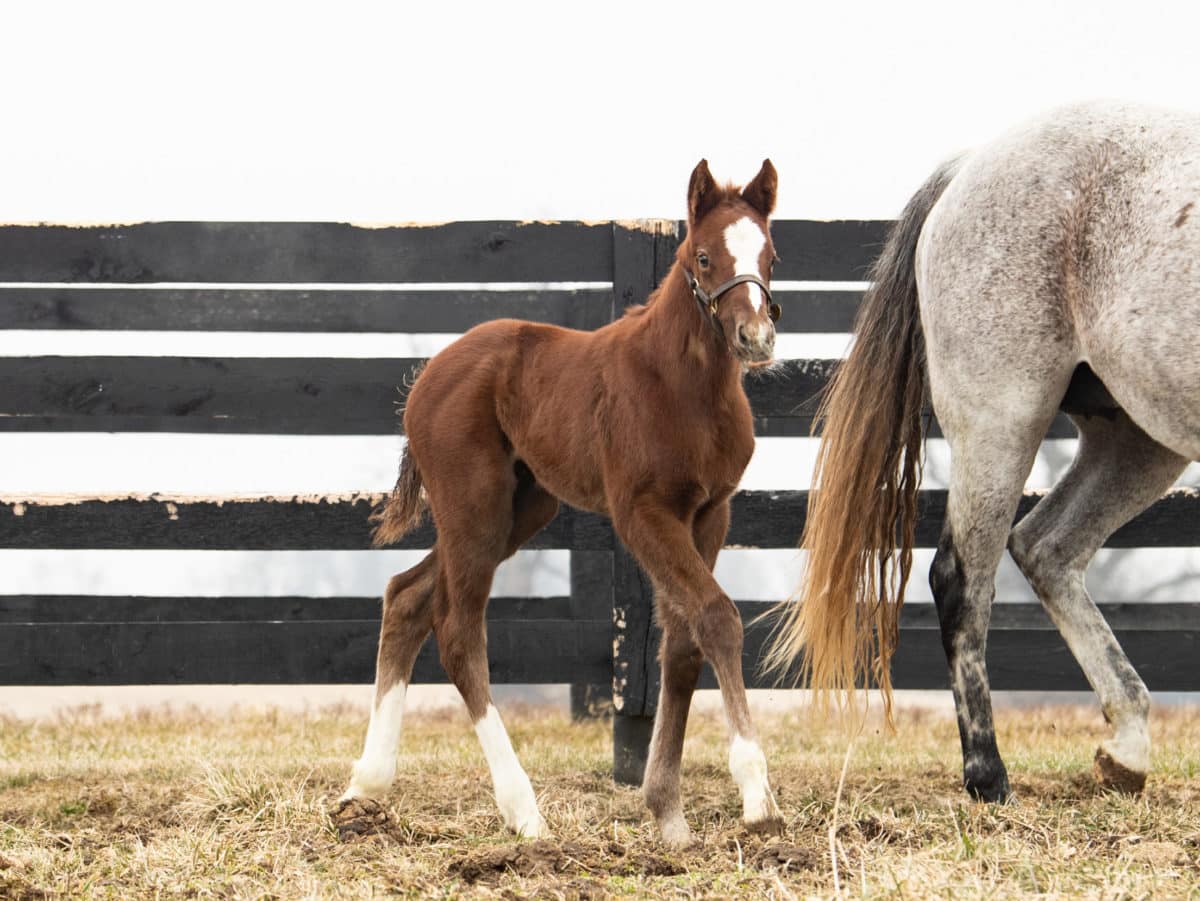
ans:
(702, 259)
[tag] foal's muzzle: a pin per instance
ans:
(754, 341)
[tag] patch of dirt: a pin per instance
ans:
(537, 858)
(574, 889)
(364, 820)
(788, 857)
(870, 829)
(101, 802)
(544, 858)
(556, 890)
(14, 888)
(647, 865)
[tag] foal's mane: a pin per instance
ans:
(641, 309)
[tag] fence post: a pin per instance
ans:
(635, 671)
(643, 252)
(591, 599)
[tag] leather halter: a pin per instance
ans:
(708, 301)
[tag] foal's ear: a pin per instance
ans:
(760, 193)
(702, 193)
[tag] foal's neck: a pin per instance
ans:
(681, 334)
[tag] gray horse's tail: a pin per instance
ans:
(403, 509)
(845, 617)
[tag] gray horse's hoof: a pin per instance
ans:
(1116, 776)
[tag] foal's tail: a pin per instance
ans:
(403, 509)
(846, 616)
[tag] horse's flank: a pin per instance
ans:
(1057, 270)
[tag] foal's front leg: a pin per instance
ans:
(667, 550)
(747, 762)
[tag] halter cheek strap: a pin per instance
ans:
(708, 301)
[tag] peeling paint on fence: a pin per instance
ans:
(664, 227)
(182, 500)
(620, 681)
(71, 225)
(379, 226)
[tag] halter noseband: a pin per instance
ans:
(708, 302)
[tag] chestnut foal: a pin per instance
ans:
(644, 420)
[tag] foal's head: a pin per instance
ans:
(728, 257)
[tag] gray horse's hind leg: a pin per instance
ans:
(1118, 472)
(992, 458)
(964, 621)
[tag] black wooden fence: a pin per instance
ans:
(236, 277)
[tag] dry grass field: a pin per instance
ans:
(197, 805)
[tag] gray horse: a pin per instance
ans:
(1057, 268)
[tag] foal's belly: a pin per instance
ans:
(572, 481)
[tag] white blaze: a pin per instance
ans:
(745, 240)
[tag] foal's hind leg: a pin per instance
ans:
(407, 620)
(496, 521)
(1118, 472)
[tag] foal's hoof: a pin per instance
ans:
(529, 825)
(1115, 776)
(772, 825)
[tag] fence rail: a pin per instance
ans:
(329, 277)
(761, 519)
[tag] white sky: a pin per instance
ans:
(443, 110)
